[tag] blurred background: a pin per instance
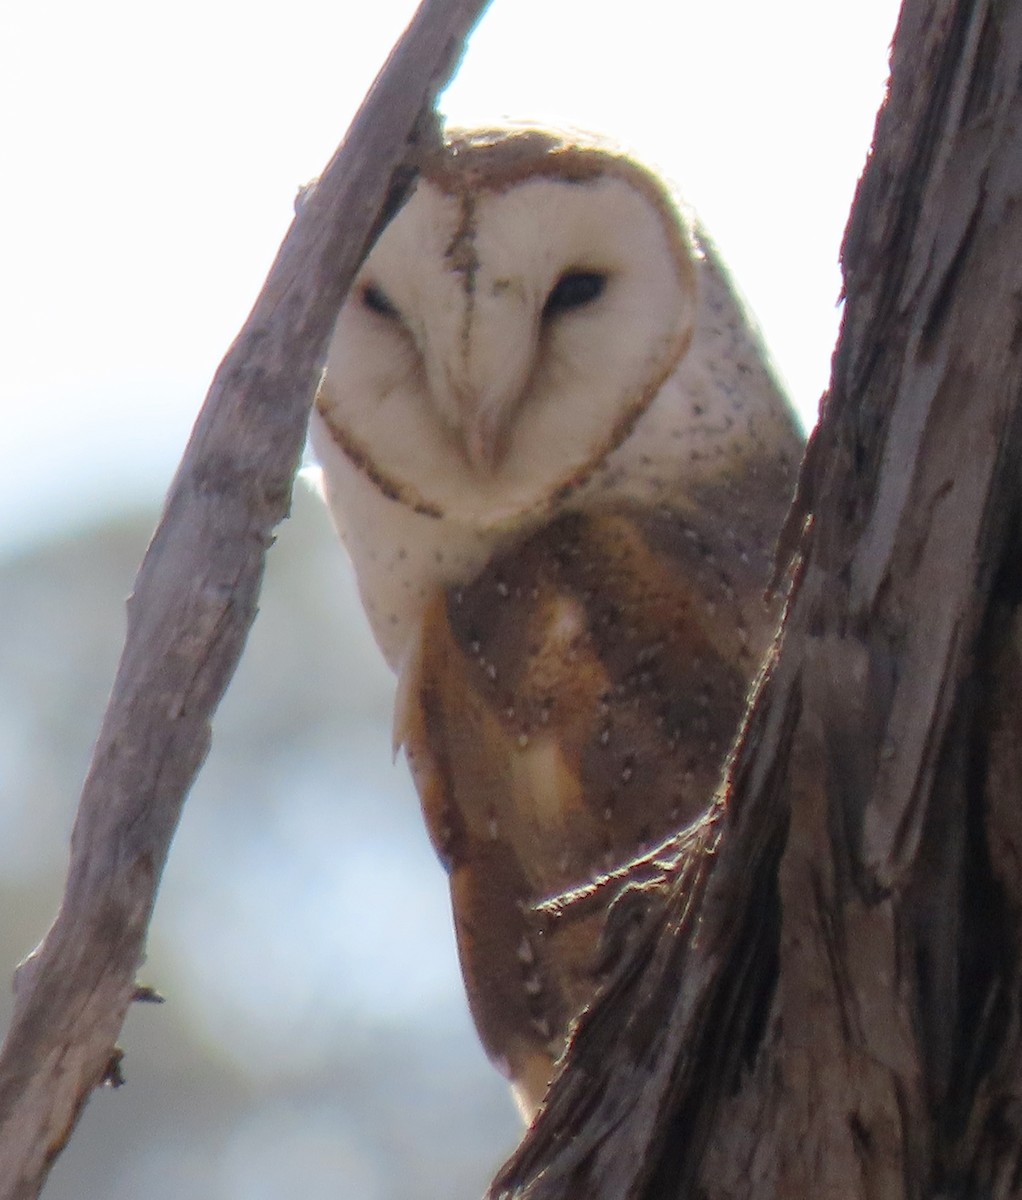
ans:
(315, 1040)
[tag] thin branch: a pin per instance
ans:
(193, 604)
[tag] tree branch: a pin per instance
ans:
(193, 604)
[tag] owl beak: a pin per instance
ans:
(487, 417)
(486, 380)
(484, 436)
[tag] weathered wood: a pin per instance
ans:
(193, 603)
(824, 999)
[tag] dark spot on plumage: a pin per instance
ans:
(609, 616)
(580, 180)
(461, 250)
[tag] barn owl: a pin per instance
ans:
(553, 447)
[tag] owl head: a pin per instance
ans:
(513, 321)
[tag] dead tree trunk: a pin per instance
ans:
(818, 993)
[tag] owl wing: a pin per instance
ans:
(569, 709)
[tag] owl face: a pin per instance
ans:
(509, 327)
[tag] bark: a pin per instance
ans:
(817, 993)
(193, 603)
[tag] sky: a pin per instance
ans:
(151, 154)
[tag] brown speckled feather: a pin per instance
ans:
(569, 708)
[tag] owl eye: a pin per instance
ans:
(574, 289)
(377, 301)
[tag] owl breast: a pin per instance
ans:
(571, 707)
